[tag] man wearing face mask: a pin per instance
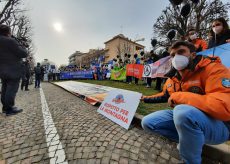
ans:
(219, 33)
(199, 43)
(198, 90)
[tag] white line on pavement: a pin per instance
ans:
(56, 151)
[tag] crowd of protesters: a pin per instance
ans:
(219, 34)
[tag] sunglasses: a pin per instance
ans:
(218, 24)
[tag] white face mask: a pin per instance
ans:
(180, 62)
(217, 29)
(192, 37)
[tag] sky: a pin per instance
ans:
(61, 27)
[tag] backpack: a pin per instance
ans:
(38, 70)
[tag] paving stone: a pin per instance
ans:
(105, 160)
(165, 155)
(99, 154)
(78, 156)
(123, 160)
(12, 160)
(115, 157)
(37, 158)
(126, 147)
(133, 156)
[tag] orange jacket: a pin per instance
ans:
(200, 44)
(206, 86)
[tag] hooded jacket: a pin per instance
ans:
(205, 85)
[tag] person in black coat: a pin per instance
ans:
(220, 33)
(26, 75)
(11, 54)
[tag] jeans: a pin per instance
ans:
(37, 80)
(9, 91)
(190, 127)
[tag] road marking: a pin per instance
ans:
(56, 151)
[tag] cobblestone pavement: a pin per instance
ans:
(85, 136)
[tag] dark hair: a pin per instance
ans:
(191, 29)
(4, 30)
(177, 44)
(224, 23)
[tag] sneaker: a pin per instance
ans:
(26, 89)
(13, 111)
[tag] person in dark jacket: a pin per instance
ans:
(11, 54)
(26, 75)
(220, 33)
(38, 75)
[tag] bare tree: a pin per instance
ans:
(9, 8)
(200, 17)
(13, 15)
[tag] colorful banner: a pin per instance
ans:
(135, 70)
(161, 67)
(120, 106)
(76, 75)
(223, 51)
(118, 74)
(157, 69)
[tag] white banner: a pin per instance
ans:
(120, 106)
(147, 70)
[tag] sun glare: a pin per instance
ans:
(57, 27)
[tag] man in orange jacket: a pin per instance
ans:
(199, 91)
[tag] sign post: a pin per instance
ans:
(120, 106)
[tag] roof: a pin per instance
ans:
(121, 36)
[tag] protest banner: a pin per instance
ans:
(91, 93)
(118, 74)
(76, 75)
(161, 67)
(158, 68)
(120, 106)
(135, 70)
(129, 69)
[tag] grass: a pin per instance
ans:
(143, 108)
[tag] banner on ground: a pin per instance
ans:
(135, 70)
(76, 75)
(223, 51)
(89, 92)
(118, 74)
(120, 106)
(158, 68)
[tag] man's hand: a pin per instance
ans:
(142, 98)
(228, 41)
(171, 102)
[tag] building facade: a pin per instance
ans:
(119, 45)
(75, 58)
(93, 57)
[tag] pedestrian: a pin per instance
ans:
(199, 93)
(38, 75)
(11, 54)
(26, 75)
(219, 33)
